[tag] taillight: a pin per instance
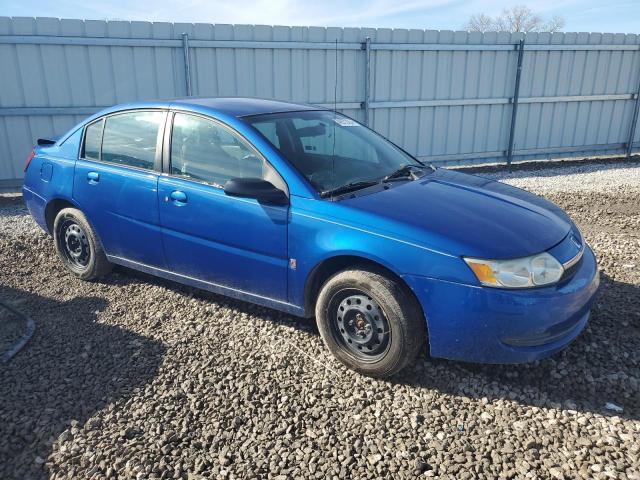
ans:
(29, 158)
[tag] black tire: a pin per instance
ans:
(78, 246)
(346, 316)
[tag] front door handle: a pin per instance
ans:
(179, 197)
(93, 177)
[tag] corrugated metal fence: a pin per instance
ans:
(448, 97)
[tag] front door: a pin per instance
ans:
(232, 242)
(115, 184)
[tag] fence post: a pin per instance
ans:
(366, 46)
(187, 69)
(634, 120)
(514, 102)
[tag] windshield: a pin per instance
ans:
(329, 149)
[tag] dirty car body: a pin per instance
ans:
(446, 237)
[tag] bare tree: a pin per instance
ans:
(556, 24)
(519, 18)
(479, 23)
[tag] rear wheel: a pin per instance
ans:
(370, 322)
(78, 246)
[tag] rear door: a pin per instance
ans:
(232, 242)
(116, 181)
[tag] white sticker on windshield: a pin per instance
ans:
(346, 122)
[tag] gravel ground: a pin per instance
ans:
(135, 377)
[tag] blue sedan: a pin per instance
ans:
(309, 212)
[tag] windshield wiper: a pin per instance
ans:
(404, 171)
(349, 187)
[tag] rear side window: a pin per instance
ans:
(130, 139)
(92, 140)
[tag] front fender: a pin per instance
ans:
(315, 237)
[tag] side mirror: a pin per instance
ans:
(257, 188)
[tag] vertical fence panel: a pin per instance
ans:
(442, 95)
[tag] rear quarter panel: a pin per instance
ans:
(50, 176)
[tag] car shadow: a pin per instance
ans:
(599, 367)
(73, 367)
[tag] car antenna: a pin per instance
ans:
(335, 117)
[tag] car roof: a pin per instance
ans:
(230, 106)
(243, 106)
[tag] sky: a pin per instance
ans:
(610, 16)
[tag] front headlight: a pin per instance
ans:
(533, 271)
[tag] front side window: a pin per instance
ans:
(131, 138)
(329, 149)
(204, 150)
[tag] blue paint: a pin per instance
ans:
(194, 233)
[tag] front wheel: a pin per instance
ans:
(78, 246)
(370, 322)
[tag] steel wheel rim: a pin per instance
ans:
(74, 243)
(359, 325)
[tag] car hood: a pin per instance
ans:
(466, 215)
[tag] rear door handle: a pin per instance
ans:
(179, 197)
(93, 177)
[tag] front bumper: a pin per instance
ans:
(490, 325)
